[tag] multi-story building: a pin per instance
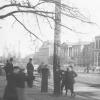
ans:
(87, 55)
(97, 51)
(71, 53)
(80, 54)
(45, 51)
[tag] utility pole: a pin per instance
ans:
(56, 57)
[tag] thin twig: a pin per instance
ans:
(38, 24)
(27, 28)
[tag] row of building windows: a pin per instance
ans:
(97, 44)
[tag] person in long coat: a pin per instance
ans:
(9, 68)
(10, 92)
(30, 70)
(71, 80)
(66, 81)
(62, 80)
(45, 75)
(20, 84)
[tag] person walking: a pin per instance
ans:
(30, 70)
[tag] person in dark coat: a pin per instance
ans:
(20, 83)
(71, 80)
(9, 68)
(62, 80)
(10, 92)
(44, 81)
(66, 80)
(40, 67)
(30, 70)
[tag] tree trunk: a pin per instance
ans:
(56, 59)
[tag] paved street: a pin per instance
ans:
(87, 86)
(85, 90)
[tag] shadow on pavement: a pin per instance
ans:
(88, 95)
(90, 84)
(95, 85)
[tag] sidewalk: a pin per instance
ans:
(35, 94)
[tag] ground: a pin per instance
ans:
(87, 87)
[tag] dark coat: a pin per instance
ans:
(71, 77)
(20, 79)
(10, 92)
(8, 68)
(44, 80)
(30, 69)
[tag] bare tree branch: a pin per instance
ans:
(20, 5)
(68, 11)
(73, 30)
(27, 29)
(71, 11)
(49, 23)
(27, 7)
(38, 24)
(26, 11)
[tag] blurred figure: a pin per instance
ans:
(30, 70)
(9, 68)
(10, 92)
(66, 81)
(40, 67)
(62, 80)
(20, 82)
(71, 80)
(44, 81)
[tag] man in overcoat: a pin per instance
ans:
(30, 70)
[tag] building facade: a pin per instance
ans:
(97, 51)
(80, 54)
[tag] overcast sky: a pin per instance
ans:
(14, 36)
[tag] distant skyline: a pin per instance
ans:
(11, 34)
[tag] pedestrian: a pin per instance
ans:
(6, 67)
(66, 80)
(62, 80)
(44, 81)
(30, 70)
(40, 67)
(71, 80)
(20, 83)
(9, 68)
(10, 92)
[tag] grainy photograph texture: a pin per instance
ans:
(49, 50)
